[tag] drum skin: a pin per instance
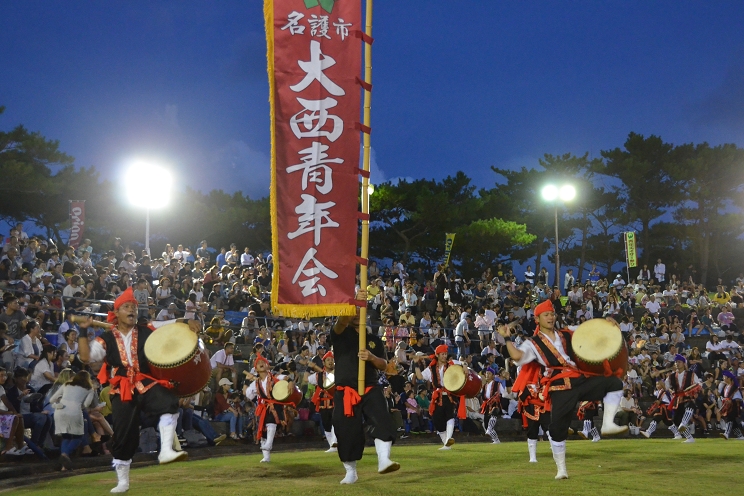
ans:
(189, 370)
(329, 383)
(282, 394)
(461, 385)
(599, 349)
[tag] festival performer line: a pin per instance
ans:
(133, 390)
(731, 407)
(351, 409)
(683, 384)
(269, 412)
(442, 406)
(563, 385)
(323, 399)
(659, 411)
(491, 408)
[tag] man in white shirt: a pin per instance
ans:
(659, 271)
(652, 305)
(462, 340)
(246, 259)
(223, 363)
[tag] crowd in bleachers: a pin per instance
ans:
(44, 287)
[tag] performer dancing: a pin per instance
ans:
(323, 400)
(491, 407)
(659, 411)
(681, 382)
(563, 385)
(442, 406)
(269, 412)
(133, 390)
(534, 409)
(372, 407)
(731, 406)
(586, 412)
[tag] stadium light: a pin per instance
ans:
(149, 187)
(553, 194)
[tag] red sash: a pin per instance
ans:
(351, 398)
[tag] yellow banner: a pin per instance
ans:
(630, 248)
(450, 240)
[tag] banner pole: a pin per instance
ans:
(365, 193)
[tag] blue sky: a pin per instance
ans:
(457, 85)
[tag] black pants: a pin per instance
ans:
(273, 417)
(326, 418)
(443, 413)
(533, 426)
(583, 388)
(126, 416)
(350, 430)
(679, 412)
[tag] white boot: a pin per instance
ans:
(329, 438)
(585, 432)
(532, 446)
(268, 443)
(674, 430)
(384, 464)
(122, 475)
(651, 429)
(449, 441)
(559, 455)
(351, 473)
(334, 444)
(167, 427)
(595, 435)
(611, 406)
(443, 437)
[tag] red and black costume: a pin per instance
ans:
(351, 410)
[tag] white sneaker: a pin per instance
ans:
(645, 434)
(678, 437)
(496, 442)
(583, 435)
(14, 452)
(443, 448)
(689, 440)
(596, 439)
(331, 450)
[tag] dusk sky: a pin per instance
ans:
(458, 85)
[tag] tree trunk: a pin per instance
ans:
(646, 247)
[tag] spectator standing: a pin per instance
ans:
(68, 403)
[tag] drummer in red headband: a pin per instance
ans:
(549, 355)
(133, 390)
(352, 409)
(442, 406)
(325, 386)
(269, 412)
(683, 384)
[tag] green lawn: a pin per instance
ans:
(610, 467)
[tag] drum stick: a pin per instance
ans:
(81, 319)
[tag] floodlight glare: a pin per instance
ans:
(550, 192)
(148, 185)
(567, 192)
(370, 189)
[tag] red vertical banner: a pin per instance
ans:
(77, 222)
(314, 62)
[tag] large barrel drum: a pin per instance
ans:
(177, 354)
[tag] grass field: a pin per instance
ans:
(610, 467)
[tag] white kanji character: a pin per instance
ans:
(314, 169)
(294, 25)
(310, 286)
(313, 217)
(342, 28)
(313, 117)
(318, 26)
(314, 71)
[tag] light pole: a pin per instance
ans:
(148, 187)
(553, 193)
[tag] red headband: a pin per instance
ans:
(545, 306)
(126, 297)
(442, 348)
(260, 358)
(329, 354)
